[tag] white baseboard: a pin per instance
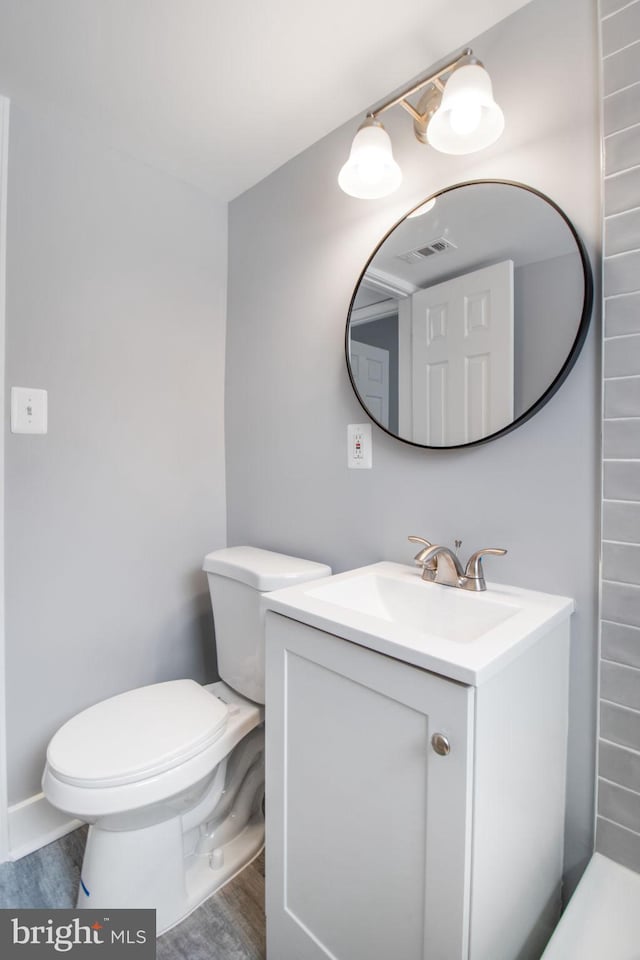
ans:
(34, 823)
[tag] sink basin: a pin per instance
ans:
(456, 615)
(388, 608)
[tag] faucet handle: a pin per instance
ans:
(422, 540)
(474, 566)
(419, 557)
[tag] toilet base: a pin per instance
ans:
(122, 869)
(203, 879)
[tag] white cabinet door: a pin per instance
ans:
(367, 826)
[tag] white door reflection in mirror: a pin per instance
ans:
(461, 358)
(370, 367)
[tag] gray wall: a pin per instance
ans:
(547, 335)
(297, 246)
(116, 306)
(618, 829)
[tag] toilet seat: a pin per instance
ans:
(89, 799)
(137, 735)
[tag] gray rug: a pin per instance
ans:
(47, 878)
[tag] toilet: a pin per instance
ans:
(170, 776)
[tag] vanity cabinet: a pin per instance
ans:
(411, 816)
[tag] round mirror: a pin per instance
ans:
(469, 315)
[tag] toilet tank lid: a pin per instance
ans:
(262, 569)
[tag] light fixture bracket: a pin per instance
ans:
(430, 99)
(427, 106)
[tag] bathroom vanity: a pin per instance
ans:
(416, 757)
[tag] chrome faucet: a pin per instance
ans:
(441, 565)
(430, 567)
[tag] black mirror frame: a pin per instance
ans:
(570, 360)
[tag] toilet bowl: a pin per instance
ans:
(170, 776)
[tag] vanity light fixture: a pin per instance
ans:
(456, 114)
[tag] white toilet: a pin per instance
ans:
(171, 776)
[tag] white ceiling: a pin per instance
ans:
(221, 92)
(485, 224)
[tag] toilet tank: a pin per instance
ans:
(238, 576)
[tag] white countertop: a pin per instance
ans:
(387, 607)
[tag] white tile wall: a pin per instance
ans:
(622, 561)
(622, 110)
(621, 354)
(619, 725)
(621, 479)
(621, 274)
(621, 644)
(619, 684)
(623, 232)
(622, 398)
(621, 190)
(620, 765)
(610, 6)
(621, 438)
(622, 150)
(618, 829)
(621, 28)
(618, 843)
(621, 69)
(619, 804)
(621, 521)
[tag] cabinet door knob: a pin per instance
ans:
(440, 744)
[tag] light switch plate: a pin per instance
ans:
(28, 410)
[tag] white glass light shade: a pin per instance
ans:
(468, 118)
(370, 171)
(423, 208)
